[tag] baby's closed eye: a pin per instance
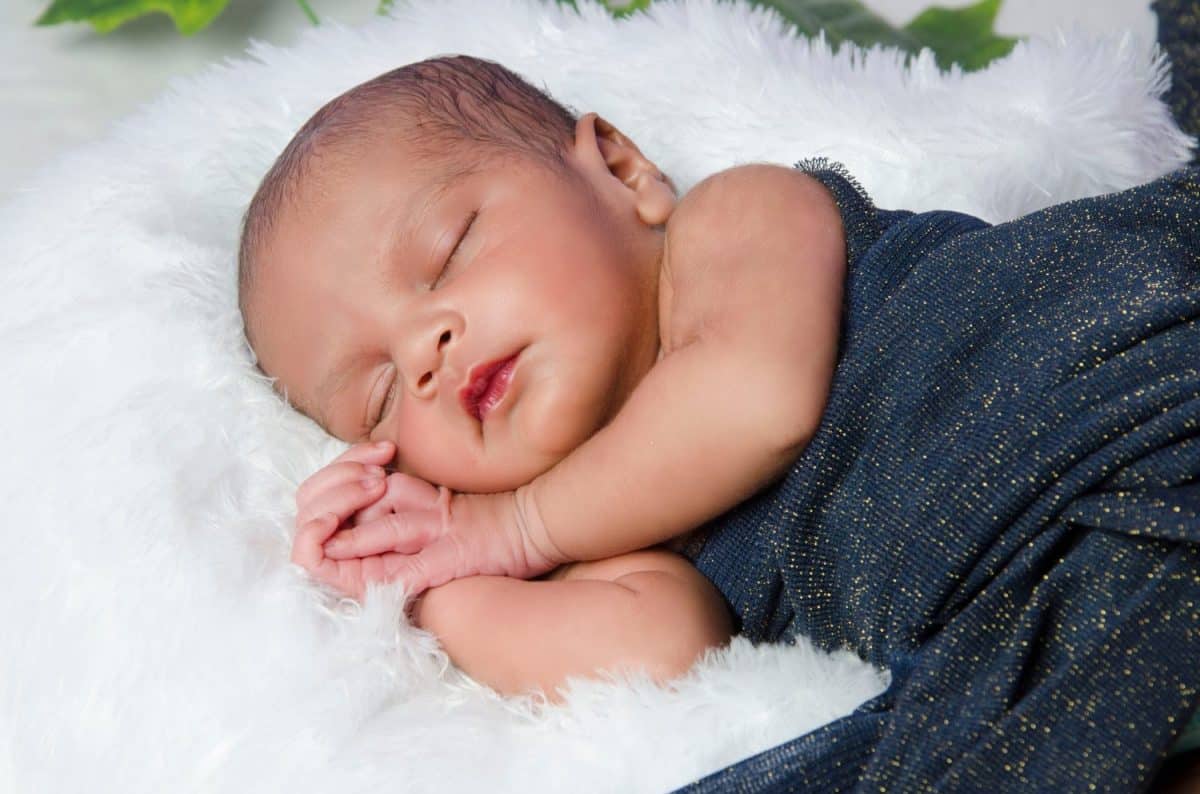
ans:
(458, 246)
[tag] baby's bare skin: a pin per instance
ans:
(664, 376)
(515, 635)
(647, 611)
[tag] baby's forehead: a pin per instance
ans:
(347, 193)
(366, 170)
(344, 168)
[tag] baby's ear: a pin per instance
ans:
(651, 191)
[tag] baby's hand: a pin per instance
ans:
(426, 536)
(336, 495)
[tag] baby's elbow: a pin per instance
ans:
(789, 404)
(792, 434)
(677, 658)
(683, 616)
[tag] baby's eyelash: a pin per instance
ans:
(466, 231)
(458, 245)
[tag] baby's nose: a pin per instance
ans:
(426, 383)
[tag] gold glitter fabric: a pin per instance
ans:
(1001, 505)
(1179, 35)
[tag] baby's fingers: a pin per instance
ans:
(352, 576)
(404, 494)
(368, 453)
(406, 533)
(417, 572)
(349, 464)
(343, 500)
(344, 575)
(306, 545)
(372, 512)
(434, 566)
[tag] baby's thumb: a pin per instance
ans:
(378, 509)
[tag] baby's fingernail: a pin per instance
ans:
(374, 471)
(382, 444)
(334, 546)
(371, 483)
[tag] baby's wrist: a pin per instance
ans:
(539, 547)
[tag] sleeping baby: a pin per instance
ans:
(967, 452)
(547, 366)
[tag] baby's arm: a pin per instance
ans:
(753, 272)
(649, 610)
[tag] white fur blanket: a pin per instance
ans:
(156, 638)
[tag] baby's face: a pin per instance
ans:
(385, 304)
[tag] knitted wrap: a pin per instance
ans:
(1001, 504)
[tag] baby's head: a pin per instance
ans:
(447, 228)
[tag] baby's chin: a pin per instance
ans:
(493, 479)
(545, 427)
(506, 470)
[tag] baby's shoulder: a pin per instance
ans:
(756, 190)
(742, 240)
(740, 210)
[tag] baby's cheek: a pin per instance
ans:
(567, 410)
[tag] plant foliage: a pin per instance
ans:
(963, 36)
(189, 16)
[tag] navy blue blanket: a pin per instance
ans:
(1001, 505)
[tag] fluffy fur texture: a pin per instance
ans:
(156, 637)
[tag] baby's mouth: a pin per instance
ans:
(486, 386)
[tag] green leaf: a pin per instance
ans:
(618, 8)
(960, 35)
(308, 12)
(633, 7)
(842, 20)
(963, 36)
(189, 16)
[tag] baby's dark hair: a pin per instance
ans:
(455, 110)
